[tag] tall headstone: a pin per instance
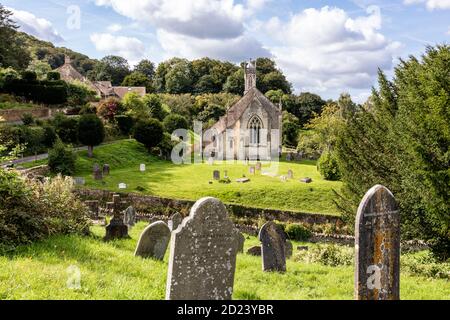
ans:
(203, 254)
(258, 166)
(377, 246)
(251, 170)
(153, 241)
(142, 167)
(106, 169)
(216, 175)
(129, 216)
(116, 229)
(98, 175)
(273, 242)
(175, 221)
(288, 248)
(290, 174)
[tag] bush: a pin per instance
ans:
(297, 232)
(328, 166)
(61, 159)
(327, 254)
(173, 122)
(31, 210)
(53, 76)
(125, 123)
(66, 128)
(109, 108)
(79, 94)
(425, 264)
(27, 119)
(50, 136)
(29, 76)
(149, 133)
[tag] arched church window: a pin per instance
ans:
(255, 126)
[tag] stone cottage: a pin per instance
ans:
(251, 128)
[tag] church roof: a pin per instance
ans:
(235, 112)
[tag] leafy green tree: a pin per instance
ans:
(113, 68)
(149, 132)
(290, 133)
(173, 122)
(66, 128)
(61, 159)
(154, 106)
(235, 83)
(179, 78)
(91, 131)
(138, 79)
(135, 106)
(13, 52)
(41, 68)
(146, 67)
(305, 106)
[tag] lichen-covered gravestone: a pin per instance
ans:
(273, 242)
(93, 206)
(153, 241)
(288, 248)
(98, 175)
(129, 217)
(377, 246)
(290, 174)
(216, 175)
(203, 254)
(106, 169)
(175, 221)
(116, 229)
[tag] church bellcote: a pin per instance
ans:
(250, 75)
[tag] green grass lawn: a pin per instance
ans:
(163, 178)
(110, 271)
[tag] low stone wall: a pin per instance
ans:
(157, 206)
(12, 115)
(42, 170)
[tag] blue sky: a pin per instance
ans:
(326, 47)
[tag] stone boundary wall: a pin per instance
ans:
(12, 115)
(158, 206)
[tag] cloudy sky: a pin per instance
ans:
(326, 47)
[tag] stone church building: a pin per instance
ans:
(251, 128)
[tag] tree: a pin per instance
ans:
(173, 122)
(41, 68)
(275, 80)
(305, 106)
(290, 133)
(179, 78)
(109, 108)
(135, 106)
(61, 159)
(235, 83)
(138, 79)
(149, 132)
(13, 52)
(113, 68)
(91, 131)
(146, 67)
(154, 106)
(66, 128)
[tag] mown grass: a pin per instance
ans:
(110, 271)
(191, 181)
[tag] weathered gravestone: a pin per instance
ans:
(129, 216)
(241, 240)
(116, 229)
(142, 167)
(273, 242)
(122, 185)
(80, 181)
(242, 180)
(153, 241)
(210, 161)
(258, 166)
(175, 221)
(288, 157)
(254, 251)
(288, 248)
(216, 175)
(306, 180)
(290, 174)
(93, 206)
(203, 254)
(98, 175)
(377, 246)
(225, 174)
(106, 169)
(251, 170)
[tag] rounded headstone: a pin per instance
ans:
(273, 241)
(153, 241)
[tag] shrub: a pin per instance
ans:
(173, 122)
(53, 76)
(109, 108)
(49, 136)
(27, 119)
(425, 264)
(31, 210)
(91, 131)
(328, 255)
(125, 123)
(66, 128)
(29, 76)
(61, 159)
(297, 232)
(149, 132)
(78, 93)
(328, 166)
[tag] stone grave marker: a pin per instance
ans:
(288, 248)
(129, 217)
(299, 156)
(242, 180)
(80, 181)
(210, 161)
(306, 180)
(122, 185)
(273, 242)
(142, 167)
(98, 175)
(290, 174)
(175, 221)
(377, 246)
(216, 175)
(288, 157)
(258, 166)
(203, 254)
(153, 241)
(116, 229)
(93, 206)
(106, 169)
(225, 174)
(241, 240)
(251, 170)
(254, 251)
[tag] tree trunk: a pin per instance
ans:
(90, 151)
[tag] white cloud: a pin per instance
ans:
(130, 48)
(324, 50)
(39, 27)
(431, 4)
(114, 27)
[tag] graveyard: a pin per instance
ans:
(110, 271)
(191, 181)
